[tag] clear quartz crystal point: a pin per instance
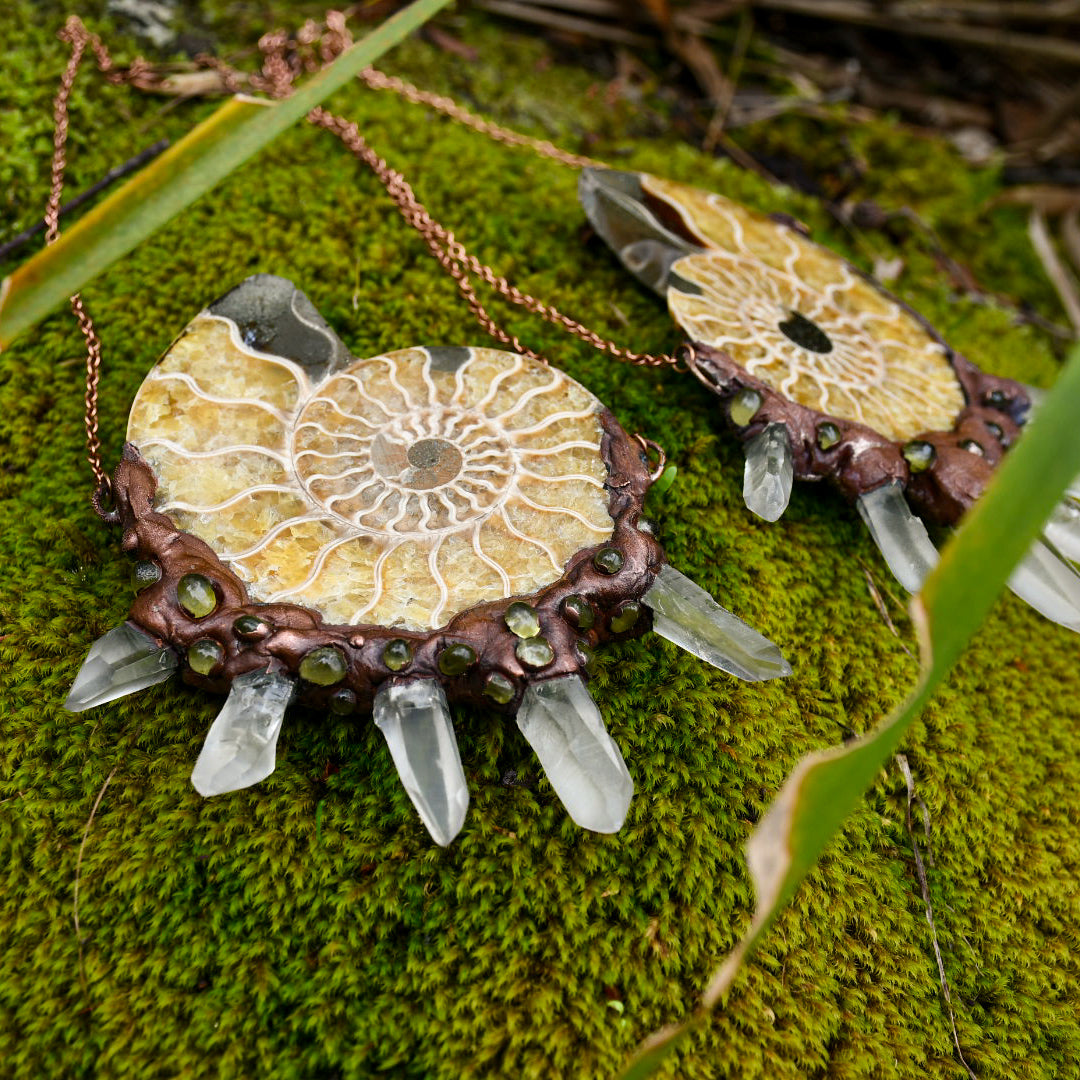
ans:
(120, 662)
(1049, 585)
(415, 720)
(1062, 531)
(241, 745)
(769, 472)
(563, 726)
(901, 537)
(687, 615)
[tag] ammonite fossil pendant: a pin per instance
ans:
(389, 534)
(823, 374)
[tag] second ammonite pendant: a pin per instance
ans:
(824, 374)
(389, 534)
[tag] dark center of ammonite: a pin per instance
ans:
(421, 465)
(428, 453)
(805, 332)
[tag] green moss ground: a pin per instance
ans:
(308, 928)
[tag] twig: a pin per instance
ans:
(571, 23)
(110, 177)
(851, 11)
(78, 871)
(723, 107)
(924, 884)
(1055, 269)
(1070, 234)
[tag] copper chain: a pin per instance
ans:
(79, 38)
(378, 80)
(284, 59)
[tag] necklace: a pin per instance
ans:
(395, 533)
(820, 371)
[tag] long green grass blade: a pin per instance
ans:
(826, 786)
(207, 154)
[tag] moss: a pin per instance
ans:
(308, 927)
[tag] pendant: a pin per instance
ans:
(389, 534)
(823, 374)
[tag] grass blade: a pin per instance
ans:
(827, 785)
(207, 154)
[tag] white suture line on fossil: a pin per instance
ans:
(440, 582)
(556, 383)
(244, 448)
(529, 539)
(359, 384)
(272, 535)
(338, 409)
(214, 399)
(324, 553)
(177, 504)
(553, 419)
(303, 383)
(562, 478)
(563, 510)
(504, 577)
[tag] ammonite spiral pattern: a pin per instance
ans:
(803, 321)
(398, 490)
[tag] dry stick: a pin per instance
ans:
(1051, 48)
(1070, 234)
(110, 177)
(1055, 269)
(78, 871)
(571, 23)
(924, 884)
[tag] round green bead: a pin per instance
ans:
(919, 455)
(996, 399)
(996, 430)
(522, 620)
(744, 406)
(457, 659)
(608, 560)
(499, 688)
(397, 654)
(324, 666)
(535, 652)
(828, 435)
(577, 612)
(972, 447)
(249, 626)
(195, 594)
(343, 702)
(144, 574)
(204, 655)
(626, 618)
(586, 653)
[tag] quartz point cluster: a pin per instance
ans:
(687, 615)
(414, 717)
(120, 662)
(1049, 584)
(901, 537)
(562, 724)
(241, 746)
(769, 472)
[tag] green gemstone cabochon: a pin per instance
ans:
(204, 655)
(535, 652)
(499, 688)
(323, 666)
(144, 574)
(744, 406)
(397, 654)
(578, 612)
(456, 659)
(522, 620)
(195, 594)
